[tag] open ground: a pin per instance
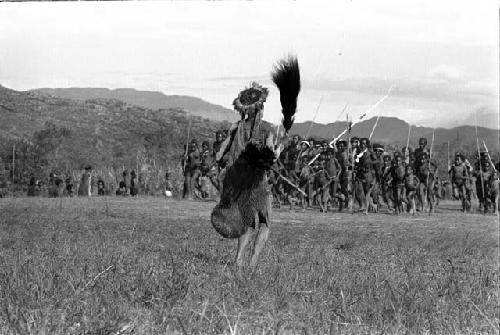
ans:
(156, 266)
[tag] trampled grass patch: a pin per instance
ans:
(150, 266)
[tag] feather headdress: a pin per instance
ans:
(286, 76)
(251, 99)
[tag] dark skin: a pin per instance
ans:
(422, 144)
(398, 173)
(459, 176)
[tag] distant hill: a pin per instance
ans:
(146, 99)
(112, 132)
(395, 131)
(103, 132)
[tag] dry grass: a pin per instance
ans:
(146, 266)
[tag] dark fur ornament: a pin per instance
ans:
(286, 76)
(244, 191)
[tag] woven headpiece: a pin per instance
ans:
(251, 99)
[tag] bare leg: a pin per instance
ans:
(495, 210)
(412, 201)
(290, 201)
(319, 200)
(368, 198)
(259, 243)
(431, 197)
(242, 244)
(264, 219)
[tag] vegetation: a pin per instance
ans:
(150, 266)
(54, 135)
(61, 136)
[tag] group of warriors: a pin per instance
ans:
(357, 172)
(60, 186)
(200, 167)
(354, 174)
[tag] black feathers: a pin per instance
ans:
(257, 156)
(286, 76)
(246, 172)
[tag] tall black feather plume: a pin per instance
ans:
(286, 76)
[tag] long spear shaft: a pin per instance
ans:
(350, 182)
(407, 152)
(480, 164)
(289, 182)
(429, 165)
(374, 126)
(448, 157)
(13, 165)
(342, 112)
(362, 116)
(187, 147)
(277, 134)
(314, 118)
(310, 128)
(489, 157)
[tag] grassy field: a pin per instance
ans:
(150, 266)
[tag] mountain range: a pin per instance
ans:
(147, 99)
(395, 131)
(113, 114)
(102, 132)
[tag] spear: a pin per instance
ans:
(277, 134)
(187, 146)
(363, 115)
(407, 152)
(448, 156)
(350, 182)
(289, 182)
(310, 128)
(489, 157)
(374, 126)
(480, 166)
(13, 166)
(338, 117)
(314, 118)
(429, 166)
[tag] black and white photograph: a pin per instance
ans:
(250, 167)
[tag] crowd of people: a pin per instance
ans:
(59, 185)
(352, 175)
(355, 175)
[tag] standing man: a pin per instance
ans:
(460, 180)
(192, 169)
(426, 174)
(333, 170)
(218, 142)
(292, 166)
(292, 155)
(344, 178)
(208, 170)
(421, 150)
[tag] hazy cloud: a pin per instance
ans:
(446, 72)
(441, 56)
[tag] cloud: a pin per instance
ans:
(258, 78)
(428, 89)
(484, 116)
(446, 72)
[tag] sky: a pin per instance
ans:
(440, 57)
